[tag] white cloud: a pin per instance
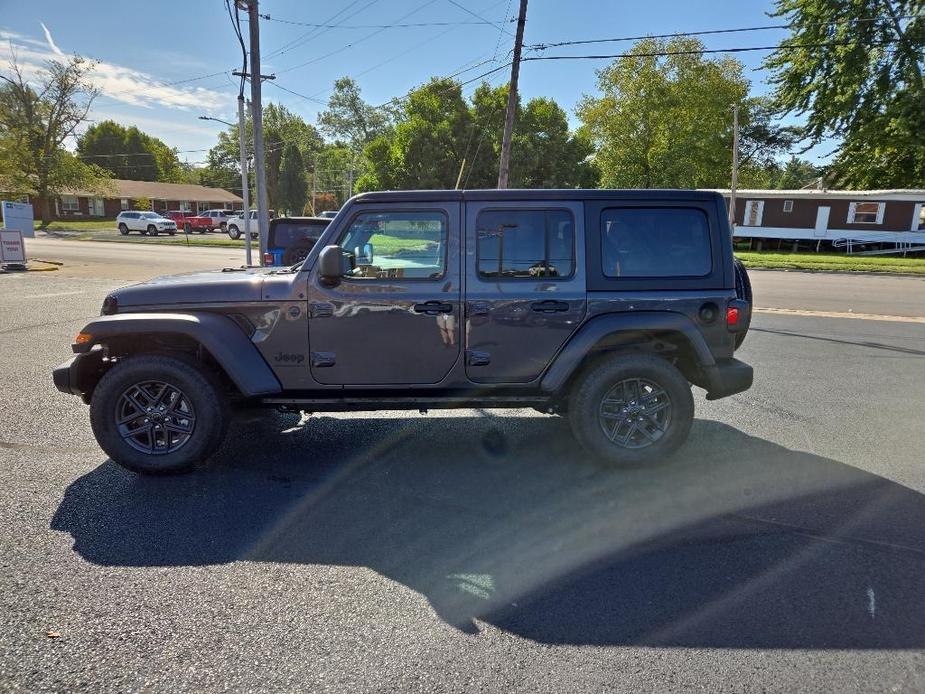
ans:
(118, 82)
(51, 41)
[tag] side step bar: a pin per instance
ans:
(399, 403)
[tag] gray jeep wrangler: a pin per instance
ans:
(602, 305)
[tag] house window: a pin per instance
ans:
(866, 212)
(229, 206)
(70, 203)
(123, 203)
(97, 208)
(202, 206)
(754, 211)
(186, 206)
(788, 205)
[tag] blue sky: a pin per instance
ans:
(144, 47)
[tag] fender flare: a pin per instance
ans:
(218, 334)
(613, 329)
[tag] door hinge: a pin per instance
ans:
(322, 359)
(319, 309)
(477, 358)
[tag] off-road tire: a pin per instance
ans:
(586, 404)
(123, 229)
(200, 387)
(233, 232)
(743, 292)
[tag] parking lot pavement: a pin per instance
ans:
(782, 549)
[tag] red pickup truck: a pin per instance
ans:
(188, 222)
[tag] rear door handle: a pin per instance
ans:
(432, 308)
(549, 306)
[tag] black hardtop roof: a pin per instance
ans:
(516, 194)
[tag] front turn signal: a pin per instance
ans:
(82, 338)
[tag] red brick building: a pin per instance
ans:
(76, 204)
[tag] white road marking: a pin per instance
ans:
(49, 296)
(840, 314)
(871, 602)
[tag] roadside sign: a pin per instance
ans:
(12, 248)
(19, 215)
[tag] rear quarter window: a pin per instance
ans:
(655, 242)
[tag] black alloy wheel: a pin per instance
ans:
(155, 417)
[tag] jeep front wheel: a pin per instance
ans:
(233, 232)
(632, 409)
(158, 415)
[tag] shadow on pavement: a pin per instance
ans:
(737, 542)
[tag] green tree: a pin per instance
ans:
(280, 128)
(130, 153)
(436, 130)
(665, 121)
(854, 69)
(34, 124)
(351, 120)
(293, 187)
(427, 145)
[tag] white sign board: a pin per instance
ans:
(12, 249)
(19, 216)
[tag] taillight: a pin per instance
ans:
(267, 258)
(732, 316)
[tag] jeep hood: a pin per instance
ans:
(232, 285)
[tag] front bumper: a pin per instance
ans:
(62, 376)
(727, 377)
(79, 374)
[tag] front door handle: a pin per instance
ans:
(549, 306)
(432, 308)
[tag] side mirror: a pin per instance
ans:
(331, 264)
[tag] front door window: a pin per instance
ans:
(396, 245)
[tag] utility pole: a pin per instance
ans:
(263, 213)
(735, 167)
(245, 179)
(505, 167)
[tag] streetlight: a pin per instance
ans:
(217, 120)
(245, 193)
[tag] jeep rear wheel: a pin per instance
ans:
(158, 415)
(123, 229)
(633, 409)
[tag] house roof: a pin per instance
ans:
(155, 190)
(910, 194)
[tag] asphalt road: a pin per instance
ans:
(782, 549)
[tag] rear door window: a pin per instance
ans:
(655, 242)
(525, 244)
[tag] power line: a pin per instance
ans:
(378, 26)
(708, 32)
(478, 16)
(314, 33)
(354, 43)
(699, 51)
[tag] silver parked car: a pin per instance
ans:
(146, 222)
